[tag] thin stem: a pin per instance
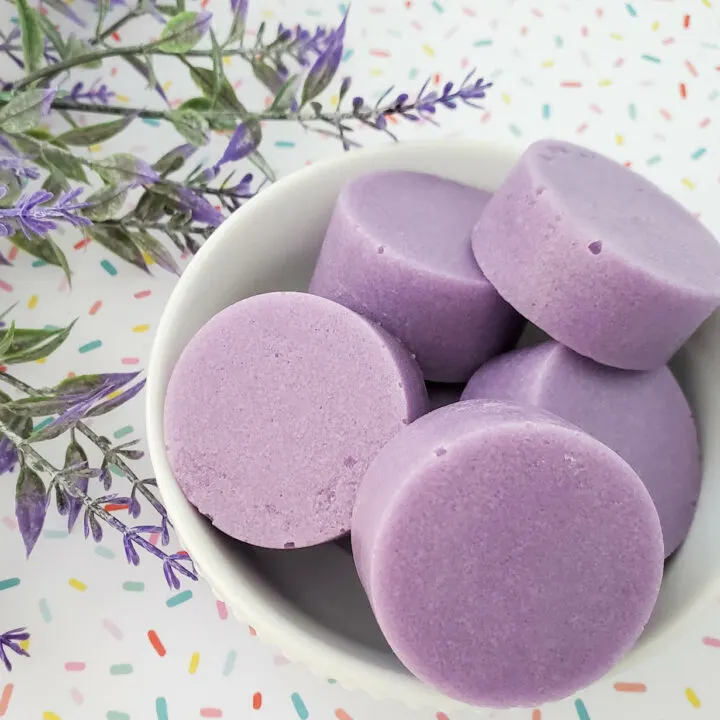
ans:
(117, 25)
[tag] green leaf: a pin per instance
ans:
(285, 95)
(14, 189)
(51, 32)
(262, 165)
(55, 183)
(223, 120)
(183, 32)
(93, 134)
(32, 38)
(19, 424)
(24, 111)
(43, 249)
(191, 125)
(118, 241)
(170, 10)
(217, 62)
(156, 250)
(30, 506)
(106, 202)
(7, 340)
(75, 47)
(226, 98)
(64, 162)
(103, 7)
(29, 345)
(124, 168)
(171, 161)
(150, 207)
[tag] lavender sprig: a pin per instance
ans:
(98, 92)
(10, 642)
(34, 216)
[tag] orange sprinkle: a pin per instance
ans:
(257, 701)
(95, 307)
(340, 714)
(536, 714)
(683, 91)
(5, 698)
(570, 84)
(630, 687)
(252, 630)
(691, 68)
(112, 507)
(686, 21)
(13, 253)
(442, 716)
(156, 643)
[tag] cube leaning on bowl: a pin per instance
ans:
(508, 549)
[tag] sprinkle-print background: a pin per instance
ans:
(637, 80)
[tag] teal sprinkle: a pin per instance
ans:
(483, 43)
(87, 347)
(714, 95)
(115, 715)
(631, 10)
(108, 267)
(698, 153)
(179, 599)
(413, 73)
(45, 613)
(161, 708)
(342, 7)
(115, 470)
(121, 669)
(51, 327)
(42, 424)
(331, 681)
(312, 13)
(229, 663)
(581, 710)
(526, 81)
(711, 46)
(284, 144)
(151, 121)
(546, 111)
(131, 586)
(55, 534)
(395, 33)
(651, 58)
(348, 54)
(9, 583)
(632, 111)
(559, 42)
(515, 130)
(299, 706)
(104, 552)
(39, 263)
(496, 74)
(438, 6)
(123, 431)
(654, 159)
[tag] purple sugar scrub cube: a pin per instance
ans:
(598, 256)
(276, 408)
(643, 416)
(509, 557)
(398, 252)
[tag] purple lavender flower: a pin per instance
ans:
(34, 216)
(93, 94)
(202, 211)
(8, 455)
(326, 65)
(11, 640)
(242, 143)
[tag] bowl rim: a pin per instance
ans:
(311, 645)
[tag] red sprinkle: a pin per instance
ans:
(683, 91)
(83, 243)
(686, 21)
(222, 610)
(156, 643)
(5, 286)
(95, 307)
(112, 507)
(257, 701)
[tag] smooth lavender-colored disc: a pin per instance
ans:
(598, 256)
(509, 557)
(398, 252)
(274, 411)
(642, 416)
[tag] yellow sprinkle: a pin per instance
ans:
(122, 98)
(268, 14)
(655, 25)
(41, 361)
(194, 662)
(604, 83)
(25, 644)
(95, 148)
(32, 302)
(47, 715)
(692, 697)
(548, 63)
(616, 36)
(375, 72)
(428, 50)
(506, 98)
(141, 328)
(148, 259)
(334, 100)
(619, 139)
(75, 583)
(227, 60)
(707, 3)
(688, 183)
(167, 85)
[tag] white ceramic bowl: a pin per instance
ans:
(309, 602)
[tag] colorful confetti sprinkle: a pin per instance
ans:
(630, 687)
(121, 669)
(229, 664)
(9, 583)
(693, 699)
(299, 705)
(5, 698)
(581, 710)
(257, 701)
(161, 708)
(194, 662)
(77, 584)
(179, 599)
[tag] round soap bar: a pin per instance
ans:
(274, 411)
(509, 557)
(643, 416)
(398, 251)
(598, 257)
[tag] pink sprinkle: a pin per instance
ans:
(5, 286)
(584, 31)
(668, 41)
(377, 10)
(485, 117)
(704, 122)
(582, 128)
(143, 294)
(77, 696)
(711, 641)
(153, 539)
(665, 114)
(13, 253)
(280, 660)
(130, 361)
(469, 11)
(380, 53)
(596, 109)
(222, 610)
(113, 629)
(416, 25)
(537, 12)
(464, 63)
(619, 63)
(9, 522)
(74, 666)
(210, 712)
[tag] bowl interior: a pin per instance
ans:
(310, 602)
